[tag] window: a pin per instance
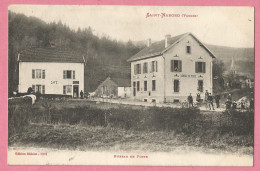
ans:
(104, 89)
(200, 85)
(145, 85)
(200, 67)
(176, 65)
(176, 86)
(138, 85)
(67, 89)
(188, 49)
(154, 66)
(38, 73)
(153, 85)
(38, 88)
(68, 74)
(176, 100)
(137, 69)
(145, 67)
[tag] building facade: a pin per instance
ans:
(51, 71)
(169, 70)
(114, 87)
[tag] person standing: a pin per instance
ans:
(190, 100)
(210, 101)
(198, 97)
(242, 104)
(229, 98)
(234, 105)
(217, 98)
(251, 104)
(206, 96)
(81, 94)
(228, 104)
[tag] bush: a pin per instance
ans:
(18, 118)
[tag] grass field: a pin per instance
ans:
(81, 125)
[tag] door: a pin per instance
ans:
(134, 88)
(75, 91)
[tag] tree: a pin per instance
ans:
(218, 80)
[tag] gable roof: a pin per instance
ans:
(50, 55)
(122, 82)
(158, 48)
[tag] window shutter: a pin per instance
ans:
(64, 89)
(156, 66)
(178, 85)
(196, 67)
(43, 74)
(180, 66)
(43, 89)
(73, 74)
(33, 73)
(204, 67)
(33, 87)
(64, 74)
(172, 65)
(135, 69)
(40, 73)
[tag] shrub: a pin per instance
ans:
(170, 119)
(18, 117)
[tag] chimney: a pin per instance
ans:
(167, 37)
(149, 41)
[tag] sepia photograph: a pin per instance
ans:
(131, 85)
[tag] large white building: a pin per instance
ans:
(171, 69)
(51, 71)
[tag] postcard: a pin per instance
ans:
(131, 85)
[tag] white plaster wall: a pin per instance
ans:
(122, 91)
(53, 72)
(187, 84)
(158, 76)
(164, 82)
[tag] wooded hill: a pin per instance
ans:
(105, 56)
(243, 57)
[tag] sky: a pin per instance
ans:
(225, 26)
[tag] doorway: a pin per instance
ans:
(75, 91)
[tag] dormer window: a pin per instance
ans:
(188, 49)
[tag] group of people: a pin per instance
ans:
(208, 100)
(229, 103)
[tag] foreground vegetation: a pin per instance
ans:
(93, 126)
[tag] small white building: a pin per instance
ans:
(114, 87)
(51, 71)
(171, 69)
